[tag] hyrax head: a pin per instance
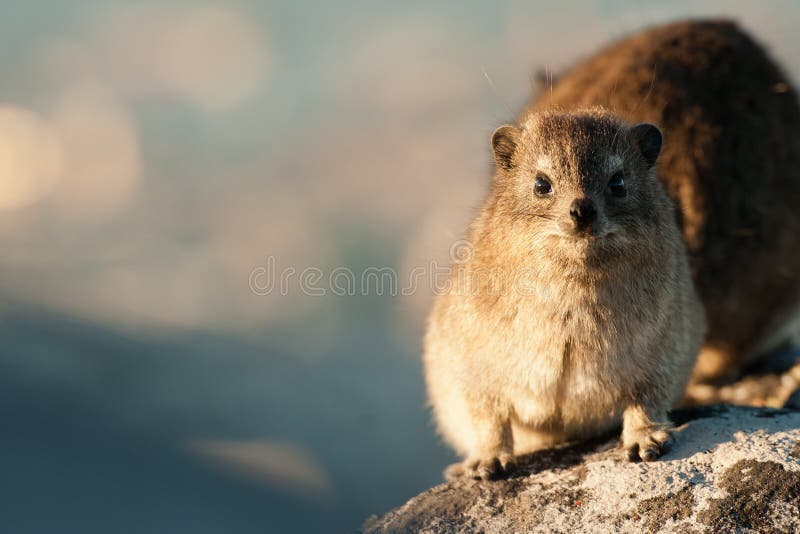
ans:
(584, 179)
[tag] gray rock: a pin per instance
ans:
(731, 469)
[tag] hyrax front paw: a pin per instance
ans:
(646, 443)
(482, 468)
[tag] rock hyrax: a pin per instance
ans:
(575, 309)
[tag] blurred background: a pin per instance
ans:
(155, 156)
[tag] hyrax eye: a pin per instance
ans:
(542, 185)
(617, 185)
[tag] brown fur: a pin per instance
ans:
(731, 160)
(552, 332)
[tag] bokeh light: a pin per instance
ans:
(30, 157)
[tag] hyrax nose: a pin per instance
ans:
(582, 212)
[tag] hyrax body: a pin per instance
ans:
(575, 310)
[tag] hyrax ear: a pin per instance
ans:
(648, 138)
(504, 143)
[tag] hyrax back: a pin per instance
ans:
(731, 161)
(575, 311)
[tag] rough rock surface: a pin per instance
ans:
(731, 469)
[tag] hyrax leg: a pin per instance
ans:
(492, 453)
(646, 433)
